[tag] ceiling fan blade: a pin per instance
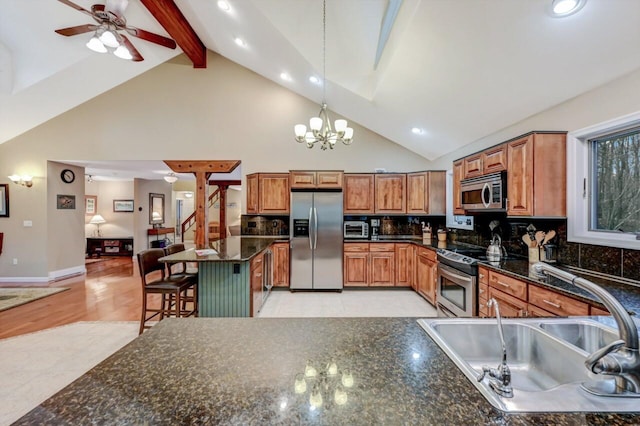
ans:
(80, 29)
(76, 7)
(153, 38)
(137, 57)
(117, 7)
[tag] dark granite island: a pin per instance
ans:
(224, 276)
(243, 371)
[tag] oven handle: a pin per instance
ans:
(445, 312)
(447, 272)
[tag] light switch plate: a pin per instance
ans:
(27, 224)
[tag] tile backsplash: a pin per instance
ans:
(264, 225)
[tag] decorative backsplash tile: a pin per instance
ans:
(264, 225)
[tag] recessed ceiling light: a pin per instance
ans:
(314, 79)
(562, 8)
(417, 131)
(224, 5)
(285, 76)
(240, 42)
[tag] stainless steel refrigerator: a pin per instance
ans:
(316, 241)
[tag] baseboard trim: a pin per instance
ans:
(58, 275)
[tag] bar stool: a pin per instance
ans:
(179, 270)
(171, 289)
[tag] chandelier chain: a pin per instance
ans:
(324, 51)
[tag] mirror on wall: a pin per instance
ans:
(156, 209)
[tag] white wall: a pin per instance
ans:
(118, 224)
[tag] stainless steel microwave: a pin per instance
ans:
(356, 229)
(488, 192)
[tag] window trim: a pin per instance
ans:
(578, 165)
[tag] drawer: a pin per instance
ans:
(483, 276)
(599, 311)
(510, 307)
(534, 312)
(557, 303)
(483, 294)
(382, 247)
(426, 253)
(356, 247)
(508, 285)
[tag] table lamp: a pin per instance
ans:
(97, 220)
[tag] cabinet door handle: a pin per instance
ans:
(555, 305)
(503, 284)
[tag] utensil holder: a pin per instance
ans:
(534, 254)
(442, 236)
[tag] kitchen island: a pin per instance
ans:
(243, 371)
(224, 275)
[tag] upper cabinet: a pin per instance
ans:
(541, 191)
(358, 193)
(325, 179)
(390, 190)
(458, 175)
(426, 193)
(271, 190)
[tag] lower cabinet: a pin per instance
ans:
(280, 264)
(426, 273)
(404, 265)
(521, 299)
(382, 264)
(369, 265)
(255, 267)
(356, 265)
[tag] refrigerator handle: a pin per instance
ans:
(310, 229)
(315, 226)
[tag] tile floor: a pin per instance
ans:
(349, 303)
(37, 365)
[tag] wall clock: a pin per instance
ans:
(67, 176)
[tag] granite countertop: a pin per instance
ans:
(627, 294)
(237, 249)
(243, 370)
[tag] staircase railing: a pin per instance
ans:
(191, 220)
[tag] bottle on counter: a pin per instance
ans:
(426, 233)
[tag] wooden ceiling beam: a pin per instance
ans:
(169, 16)
(207, 166)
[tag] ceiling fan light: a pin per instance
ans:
(109, 39)
(122, 53)
(96, 45)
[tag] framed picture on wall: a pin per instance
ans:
(123, 206)
(90, 204)
(4, 200)
(66, 202)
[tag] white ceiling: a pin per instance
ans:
(459, 69)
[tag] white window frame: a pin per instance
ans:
(578, 206)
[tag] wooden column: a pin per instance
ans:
(223, 211)
(202, 170)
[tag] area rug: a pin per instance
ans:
(12, 297)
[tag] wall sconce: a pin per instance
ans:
(24, 180)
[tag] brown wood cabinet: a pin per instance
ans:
(280, 264)
(359, 193)
(510, 307)
(508, 285)
(390, 193)
(255, 267)
(326, 179)
(382, 264)
(404, 265)
(268, 193)
(473, 166)
(426, 192)
(556, 303)
(534, 312)
(252, 194)
(594, 310)
(494, 159)
(356, 265)
(483, 292)
(540, 191)
(458, 175)
(426, 274)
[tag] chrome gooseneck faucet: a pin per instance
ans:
(499, 378)
(620, 358)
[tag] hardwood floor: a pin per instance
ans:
(109, 292)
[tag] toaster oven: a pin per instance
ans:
(356, 229)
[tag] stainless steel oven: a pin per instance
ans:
(457, 284)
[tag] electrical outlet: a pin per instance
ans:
(15, 261)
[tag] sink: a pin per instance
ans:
(546, 371)
(585, 334)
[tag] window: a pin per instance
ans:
(603, 183)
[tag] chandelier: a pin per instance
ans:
(320, 127)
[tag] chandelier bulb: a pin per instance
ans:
(315, 123)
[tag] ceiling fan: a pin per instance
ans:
(108, 33)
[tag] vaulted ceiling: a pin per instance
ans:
(458, 70)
